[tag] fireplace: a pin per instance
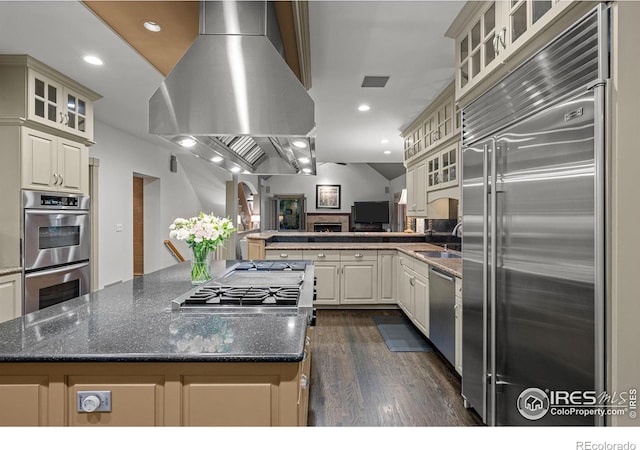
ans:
(333, 227)
(334, 222)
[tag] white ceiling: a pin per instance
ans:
(403, 40)
(350, 39)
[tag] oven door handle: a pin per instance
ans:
(56, 270)
(49, 212)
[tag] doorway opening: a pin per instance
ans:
(248, 207)
(146, 227)
(138, 226)
(289, 212)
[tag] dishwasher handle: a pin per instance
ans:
(441, 274)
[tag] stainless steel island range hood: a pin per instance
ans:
(233, 100)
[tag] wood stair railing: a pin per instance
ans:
(244, 207)
(173, 250)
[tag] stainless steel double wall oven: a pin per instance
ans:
(55, 248)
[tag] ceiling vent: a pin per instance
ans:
(374, 82)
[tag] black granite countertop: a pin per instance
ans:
(133, 321)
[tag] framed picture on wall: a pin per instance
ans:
(327, 196)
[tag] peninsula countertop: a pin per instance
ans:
(133, 321)
(354, 236)
(452, 266)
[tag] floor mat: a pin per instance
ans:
(400, 335)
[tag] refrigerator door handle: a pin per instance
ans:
(492, 275)
(485, 279)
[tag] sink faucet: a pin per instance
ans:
(457, 230)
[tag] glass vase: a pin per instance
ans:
(200, 265)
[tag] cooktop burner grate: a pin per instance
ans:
(244, 296)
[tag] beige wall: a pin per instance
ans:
(624, 313)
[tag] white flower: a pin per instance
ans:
(203, 229)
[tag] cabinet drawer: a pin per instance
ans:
(321, 255)
(421, 268)
(358, 255)
(284, 254)
(406, 260)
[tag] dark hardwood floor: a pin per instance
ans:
(357, 381)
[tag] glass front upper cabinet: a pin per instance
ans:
(476, 49)
(46, 100)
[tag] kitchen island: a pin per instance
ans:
(161, 367)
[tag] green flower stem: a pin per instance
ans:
(200, 264)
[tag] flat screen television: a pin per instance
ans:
(371, 212)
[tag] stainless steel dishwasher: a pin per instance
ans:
(442, 312)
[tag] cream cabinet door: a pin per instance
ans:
(55, 105)
(411, 177)
(406, 299)
(39, 160)
(359, 282)
(523, 20)
(397, 275)
(420, 191)
(45, 100)
(386, 278)
(51, 163)
(327, 283)
(73, 166)
(10, 296)
(416, 189)
(421, 303)
(478, 46)
(78, 114)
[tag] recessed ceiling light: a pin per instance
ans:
(300, 144)
(91, 59)
(364, 108)
(235, 169)
(152, 26)
(246, 172)
(387, 152)
(217, 159)
(384, 141)
(187, 142)
(304, 160)
(306, 170)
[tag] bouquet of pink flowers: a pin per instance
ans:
(203, 234)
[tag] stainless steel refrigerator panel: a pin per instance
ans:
(545, 266)
(474, 315)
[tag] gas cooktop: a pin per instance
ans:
(255, 287)
(244, 296)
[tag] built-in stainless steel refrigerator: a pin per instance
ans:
(533, 188)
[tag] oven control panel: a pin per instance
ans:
(51, 200)
(56, 200)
